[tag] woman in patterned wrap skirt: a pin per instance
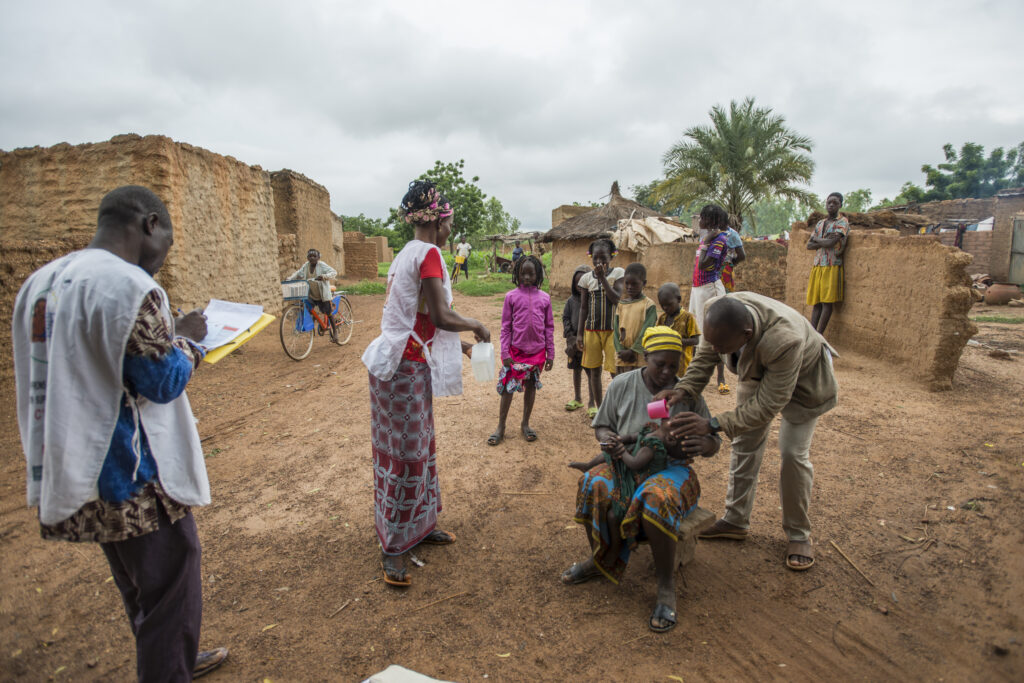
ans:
(416, 356)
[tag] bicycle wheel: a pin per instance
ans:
(345, 321)
(297, 344)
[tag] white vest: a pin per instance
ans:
(384, 353)
(68, 374)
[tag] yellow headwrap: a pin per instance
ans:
(662, 338)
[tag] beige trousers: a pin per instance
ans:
(795, 478)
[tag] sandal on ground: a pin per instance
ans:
(591, 413)
(208, 661)
(723, 388)
(662, 612)
(393, 576)
(799, 549)
(577, 574)
(495, 438)
(438, 537)
(529, 434)
(722, 529)
(573, 405)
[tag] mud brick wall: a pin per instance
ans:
(303, 208)
(353, 236)
(1009, 204)
(566, 256)
(18, 260)
(338, 242)
(389, 255)
(952, 209)
(906, 301)
(382, 244)
(225, 244)
(763, 272)
(567, 211)
(288, 257)
(977, 244)
(360, 260)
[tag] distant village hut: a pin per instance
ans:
(571, 238)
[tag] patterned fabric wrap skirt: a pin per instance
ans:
(664, 500)
(406, 494)
(825, 285)
(730, 285)
(524, 367)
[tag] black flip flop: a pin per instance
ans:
(495, 438)
(529, 434)
(574, 575)
(664, 613)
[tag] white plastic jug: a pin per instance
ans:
(482, 360)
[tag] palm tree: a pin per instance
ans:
(747, 154)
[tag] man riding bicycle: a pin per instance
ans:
(318, 274)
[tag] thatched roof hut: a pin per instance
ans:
(571, 238)
(599, 222)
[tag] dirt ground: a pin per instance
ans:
(923, 491)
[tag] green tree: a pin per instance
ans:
(372, 227)
(498, 221)
(465, 195)
(857, 200)
(909, 193)
(970, 173)
(964, 174)
(746, 155)
(774, 215)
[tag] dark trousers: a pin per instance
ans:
(158, 574)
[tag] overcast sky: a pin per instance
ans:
(548, 102)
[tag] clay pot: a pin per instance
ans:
(1000, 293)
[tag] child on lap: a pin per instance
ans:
(527, 343)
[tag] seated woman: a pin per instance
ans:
(661, 500)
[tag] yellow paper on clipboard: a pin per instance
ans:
(214, 355)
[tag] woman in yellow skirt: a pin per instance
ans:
(825, 286)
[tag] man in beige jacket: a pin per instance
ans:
(784, 366)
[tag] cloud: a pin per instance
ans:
(547, 102)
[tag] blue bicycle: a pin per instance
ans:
(301, 319)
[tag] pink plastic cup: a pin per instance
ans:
(657, 410)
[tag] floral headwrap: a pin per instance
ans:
(435, 210)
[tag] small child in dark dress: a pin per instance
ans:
(654, 447)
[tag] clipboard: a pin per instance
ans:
(214, 355)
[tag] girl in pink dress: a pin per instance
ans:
(527, 343)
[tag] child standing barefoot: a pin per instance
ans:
(527, 343)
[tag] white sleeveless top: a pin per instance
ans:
(397, 323)
(68, 373)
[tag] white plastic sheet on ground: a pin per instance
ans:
(639, 234)
(399, 674)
